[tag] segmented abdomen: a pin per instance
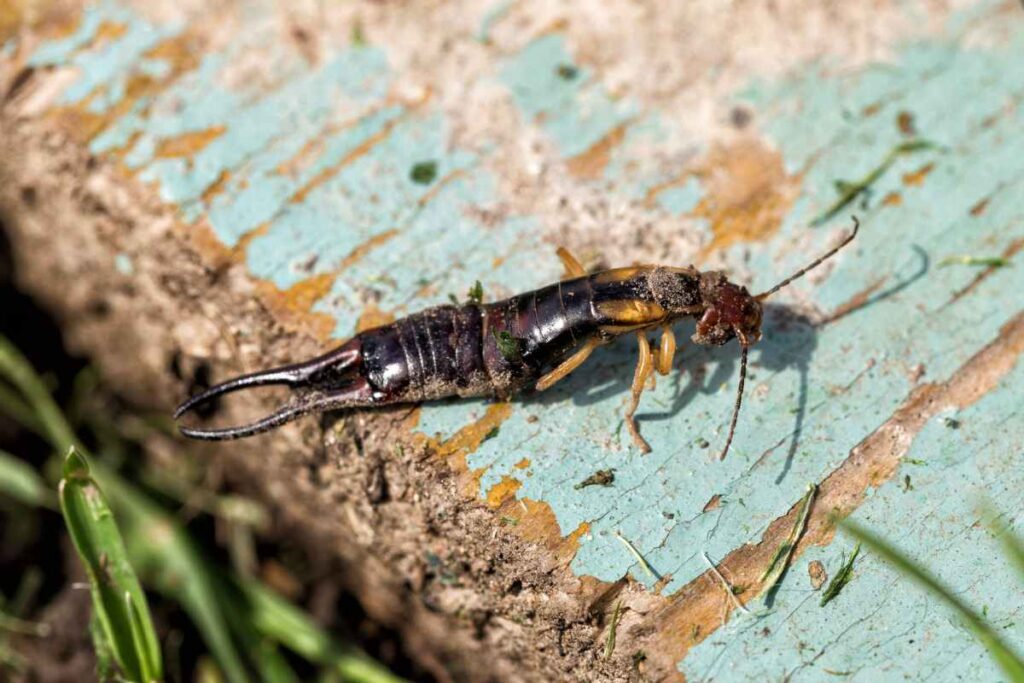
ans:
(497, 348)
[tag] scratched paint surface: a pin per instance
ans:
(307, 171)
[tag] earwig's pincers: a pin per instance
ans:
(530, 341)
(324, 383)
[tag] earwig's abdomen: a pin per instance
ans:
(428, 355)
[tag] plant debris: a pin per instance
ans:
(508, 345)
(423, 172)
(599, 478)
(780, 560)
(639, 558)
(818, 575)
(567, 72)
(728, 589)
(841, 578)
(491, 434)
(850, 191)
(609, 646)
(967, 260)
(476, 293)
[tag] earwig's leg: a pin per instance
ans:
(644, 367)
(666, 351)
(567, 366)
(573, 268)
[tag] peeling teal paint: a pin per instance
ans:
(574, 109)
(813, 393)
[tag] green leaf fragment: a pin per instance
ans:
(841, 578)
(476, 293)
(508, 346)
(423, 172)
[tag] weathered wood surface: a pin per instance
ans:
(276, 142)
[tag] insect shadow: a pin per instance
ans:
(790, 339)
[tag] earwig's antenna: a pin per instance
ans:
(739, 401)
(803, 271)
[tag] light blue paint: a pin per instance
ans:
(681, 200)
(123, 264)
(882, 627)
(575, 112)
(62, 50)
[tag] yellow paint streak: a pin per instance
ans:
(503, 491)
(84, 125)
(747, 193)
(591, 163)
(366, 247)
(651, 197)
(361, 150)
(455, 449)
(372, 317)
(293, 306)
(917, 177)
(892, 199)
(188, 144)
(216, 187)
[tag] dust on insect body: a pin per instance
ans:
(530, 341)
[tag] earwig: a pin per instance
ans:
(531, 340)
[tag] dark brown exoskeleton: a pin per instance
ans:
(528, 341)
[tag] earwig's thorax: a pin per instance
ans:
(677, 290)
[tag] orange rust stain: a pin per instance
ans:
(502, 491)
(855, 302)
(372, 316)
(522, 464)
(292, 307)
(438, 186)
(650, 198)
(217, 186)
(747, 193)
(591, 163)
(366, 247)
(980, 207)
(905, 123)
(714, 503)
(361, 150)
(871, 109)
(455, 449)
(892, 199)
(109, 30)
(188, 144)
(84, 125)
(917, 177)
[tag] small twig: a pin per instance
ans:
(638, 556)
(725, 584)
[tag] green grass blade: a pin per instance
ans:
(20, 481)
(280, 620)
(17, 370)
(101, 549)
(1004, 655)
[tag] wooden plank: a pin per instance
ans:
(286, 148)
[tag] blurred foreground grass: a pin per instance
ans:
(244, 625)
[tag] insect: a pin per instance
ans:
(532, 340)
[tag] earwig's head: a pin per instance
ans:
(730, 311)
